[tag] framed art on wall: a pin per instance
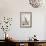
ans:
(26, 19)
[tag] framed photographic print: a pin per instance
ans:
(26, 19)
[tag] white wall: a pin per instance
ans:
(45, 28)
(12, 8)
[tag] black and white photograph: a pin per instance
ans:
(25, 19)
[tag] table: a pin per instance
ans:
(27, 42)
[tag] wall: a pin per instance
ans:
(45, 28)
(12, 8)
